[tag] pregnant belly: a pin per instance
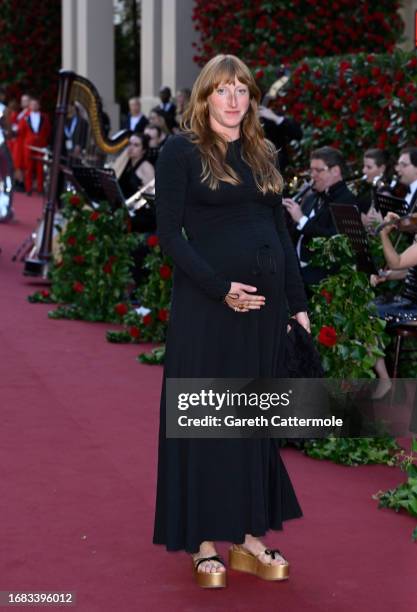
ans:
(254, 258)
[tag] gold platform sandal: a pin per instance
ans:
(242, 560)
(209, 580)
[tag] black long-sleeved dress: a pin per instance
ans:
(221, 489)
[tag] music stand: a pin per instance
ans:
(100, 184)
(347, 220)
(386, 203)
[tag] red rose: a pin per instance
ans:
(108, 268)
(328, 295)
(72, 241)
(78, 259)
(75, 200)
(354, 107)
(91, 237)
(78, 287)
(153, 240)
(147, 319)
(165, 272)
(45, 293)
(163, 314)
(344, 65)
(121, 309)
(413, 117)
(327, 336)
(134, 331)
(94, 216)
(259, 74)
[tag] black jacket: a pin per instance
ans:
(320, 225)
(139, 127)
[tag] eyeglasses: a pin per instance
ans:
(319, 170)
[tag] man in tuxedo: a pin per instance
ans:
(36, 130)
(166, 105)
(407, 173)
(135, 121)
(313, 218)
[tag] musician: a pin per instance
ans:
(280, 130)
(134, 171)
(159, 117)
(135, 121)
(313, 218)
(132, 168)
(402, 308)
(378, 174)
(407, 173)
(36, 130)
(157, 139)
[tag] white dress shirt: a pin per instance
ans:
(134, 121)
(35, 121)
(412, 189)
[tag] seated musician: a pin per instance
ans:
(407, 173)
(313, 218)
(134, 171)
(156, 141)
(132, 168)
(401, 309)
(378, 175)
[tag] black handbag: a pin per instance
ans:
(302, 359)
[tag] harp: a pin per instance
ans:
(72, 88)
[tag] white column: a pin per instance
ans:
(178, 34)
(150, 53)
(407, 13)
(88, 47)
(167, 34)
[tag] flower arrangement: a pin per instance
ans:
(93, 274)
(154, 295)
(265, 33)
(353, 102)
(349, 336)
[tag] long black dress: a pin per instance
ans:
(222, 489)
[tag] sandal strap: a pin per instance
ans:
(213, 558)
(273, 552)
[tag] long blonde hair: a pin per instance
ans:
(259, 153)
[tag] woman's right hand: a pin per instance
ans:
(240, 298)
(391, 216)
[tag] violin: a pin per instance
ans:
(407, 224)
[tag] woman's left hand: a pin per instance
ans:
(303, 320)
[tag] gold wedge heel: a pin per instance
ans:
(242, 560)
(209, 580)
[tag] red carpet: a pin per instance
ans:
(78, 461)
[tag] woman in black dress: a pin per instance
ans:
(236, 281)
